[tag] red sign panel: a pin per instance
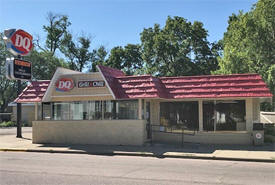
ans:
(64, 84)
(21, 42)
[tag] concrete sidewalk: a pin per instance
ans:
(264, 153)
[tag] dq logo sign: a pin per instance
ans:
(18, 42)
(64, 84)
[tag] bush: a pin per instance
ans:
(13, 124)
(269, 129)
(8, 124)
(269, 139)
(269, 133)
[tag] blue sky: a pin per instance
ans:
(118, 22)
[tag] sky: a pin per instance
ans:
(118, 22)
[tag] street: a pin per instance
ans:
(49, 168)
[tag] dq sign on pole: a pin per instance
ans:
(18, 42)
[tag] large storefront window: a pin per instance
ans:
(110, 110)
(224, 115)
(95, 110)
(77, 110)
(61, 111)
(179, 115)
(127, 109)
(46, 111)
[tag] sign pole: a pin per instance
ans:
(19, 112)
(19, 109)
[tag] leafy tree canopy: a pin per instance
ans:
(249, 43)
(180, 48)
(127, 58)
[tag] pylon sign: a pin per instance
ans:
(17, 69)
(18, 42)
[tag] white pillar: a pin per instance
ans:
(249, 114)
(35, 111)
(200, 115)
(139, 108)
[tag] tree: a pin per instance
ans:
(249, 43)
(56, 31)
(44, 64)
(180, 48)
(78, 53)
(128, 58)
(99, 57)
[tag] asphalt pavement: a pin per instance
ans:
(266, 153)
(49, 168)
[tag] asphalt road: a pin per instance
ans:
(46, 168)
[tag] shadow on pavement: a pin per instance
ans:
(158, 148)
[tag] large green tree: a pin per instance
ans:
(99, 57)
(128, 58)
(249, 43)
(179, 48)
(78, 53)
(44, 64)
(56, 31)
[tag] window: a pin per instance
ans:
(127, 109)
(77, 110)
(179, 115)
(61, 111)
(109, 110)
(94, 110)
(46, 111)
(224, 115)
(230, 115)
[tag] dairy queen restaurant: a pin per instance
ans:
(110, 108)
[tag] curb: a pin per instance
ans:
(140, 154)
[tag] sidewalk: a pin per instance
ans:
(264, 153)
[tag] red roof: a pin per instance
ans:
(33, 92)
(206, 86)
(147, 86)
(216, 86)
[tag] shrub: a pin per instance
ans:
(269, 129)
(13, 124)
(8, 124)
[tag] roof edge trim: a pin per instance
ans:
(113, 95)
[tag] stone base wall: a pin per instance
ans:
(102, 132)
